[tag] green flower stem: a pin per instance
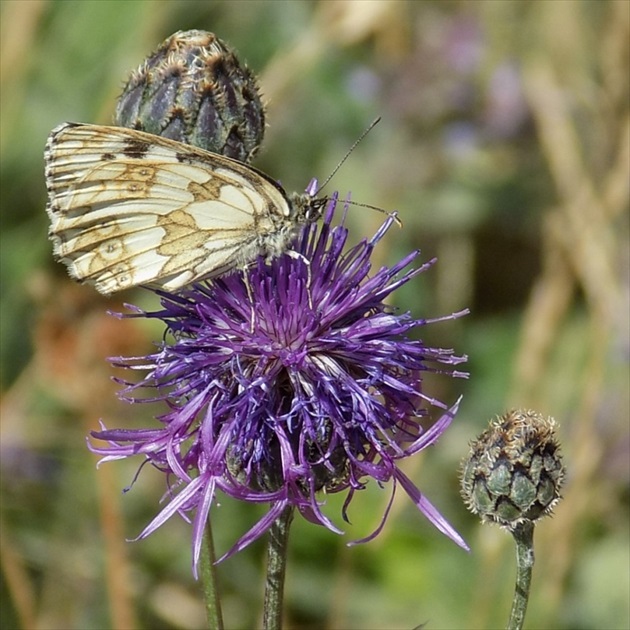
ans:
(208, 571)
(276, 570)
(524, 537)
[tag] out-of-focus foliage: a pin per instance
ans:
(503, 145)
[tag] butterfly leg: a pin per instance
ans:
(297, 256)
(250, 300)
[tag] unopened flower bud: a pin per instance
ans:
(514, 471)
(193, 89)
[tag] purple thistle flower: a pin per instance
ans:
(295, 380)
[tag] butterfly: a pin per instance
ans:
(128, 208)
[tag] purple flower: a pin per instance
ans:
(284, 380)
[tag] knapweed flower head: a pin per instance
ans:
(286, 381)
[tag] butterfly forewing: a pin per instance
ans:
(129, 208)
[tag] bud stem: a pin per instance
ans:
(524, 537)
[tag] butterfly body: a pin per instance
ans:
(128, 208)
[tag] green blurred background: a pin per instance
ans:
(504, 146)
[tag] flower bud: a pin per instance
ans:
(193, 89)
(514, 471)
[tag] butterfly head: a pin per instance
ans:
(307, 206)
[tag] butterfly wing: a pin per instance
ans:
(130, 208)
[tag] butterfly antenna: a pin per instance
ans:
(350, 150)
(393, 215)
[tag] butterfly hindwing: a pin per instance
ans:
(129, 208)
